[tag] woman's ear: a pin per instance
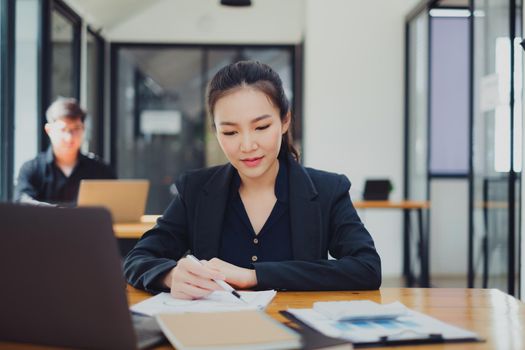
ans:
(286, 122)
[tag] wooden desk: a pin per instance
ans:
(494, 315)
(423, 244)
(135, 230)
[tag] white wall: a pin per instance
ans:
(353, 110)
(205, 21)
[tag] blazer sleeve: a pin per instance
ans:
(357, 265)
(159, 249)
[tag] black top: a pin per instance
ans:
(322, 220)
(239, 243)
(40, 179)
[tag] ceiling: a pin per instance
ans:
(454, 3)
(107, 14)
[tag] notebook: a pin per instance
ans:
(125, 199)
(63, 282)
(237, 330)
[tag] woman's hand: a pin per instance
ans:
(238, 277)
(189, 280)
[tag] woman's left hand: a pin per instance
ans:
(238, 277)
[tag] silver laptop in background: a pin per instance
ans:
(63, 283)
(125, 199)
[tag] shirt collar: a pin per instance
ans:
(50, 156)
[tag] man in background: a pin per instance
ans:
(53, 177)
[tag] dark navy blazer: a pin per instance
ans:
(322, 220)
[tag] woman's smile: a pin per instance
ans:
(252, 162)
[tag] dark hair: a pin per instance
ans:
(259, 76)
(65, 107)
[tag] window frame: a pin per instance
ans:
(7, 68)
(100, 72)
(296, 62)
(45, 60)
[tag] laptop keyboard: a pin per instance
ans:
(148, 331)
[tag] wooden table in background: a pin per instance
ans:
(408, 205)
(423, 245)
(135, 230)
(495, 316)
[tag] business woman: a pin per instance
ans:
(262, 221)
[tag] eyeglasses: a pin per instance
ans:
(74, 132)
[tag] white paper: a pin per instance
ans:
(413, 325)
(215, 302)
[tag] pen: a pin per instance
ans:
(221, 283)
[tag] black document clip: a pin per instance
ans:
(402, 336)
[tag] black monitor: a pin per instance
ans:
(377, 190)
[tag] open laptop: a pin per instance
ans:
(62, 281)
(125, 199)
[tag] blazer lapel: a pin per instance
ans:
(305, 215)
(209, 214)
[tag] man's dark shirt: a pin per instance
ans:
(40, 179)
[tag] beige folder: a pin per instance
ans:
(236, 330)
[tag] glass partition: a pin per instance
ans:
(449, 93)
(416, 130)
(161, 129)
(26, 114)
(94, 93)
(497, 144)
(64, 65)
(59, 57)
(417, 109)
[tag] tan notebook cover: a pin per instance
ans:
(227, 330)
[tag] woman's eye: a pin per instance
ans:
(228, 133)
(263, 127)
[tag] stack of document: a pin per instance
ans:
(217, 301)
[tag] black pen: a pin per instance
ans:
(221, 283)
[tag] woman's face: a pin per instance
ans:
(249, 131)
